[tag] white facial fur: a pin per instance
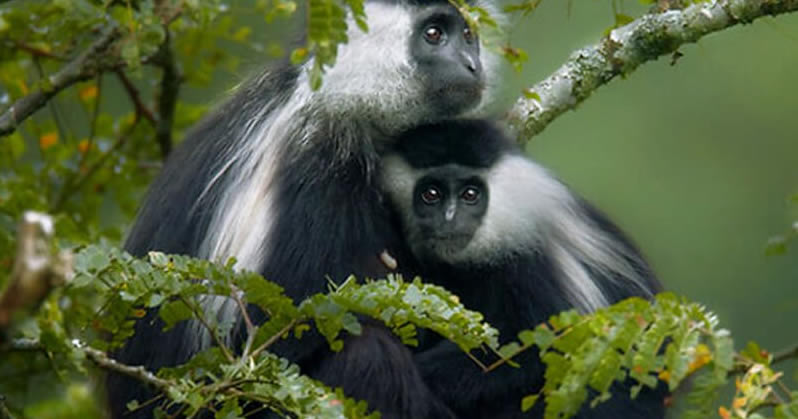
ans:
(373, 77)
(529, 211)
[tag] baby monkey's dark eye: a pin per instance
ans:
(431, 195)
(470, 195)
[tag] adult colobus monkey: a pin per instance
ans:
(514, 243)
(283, 179)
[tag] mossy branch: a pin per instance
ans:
(626, 48)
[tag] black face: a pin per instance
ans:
(448, 206)
(447, 54)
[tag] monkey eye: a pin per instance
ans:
(433, 34)
(431, 195)
(468, 34)
(470, 195)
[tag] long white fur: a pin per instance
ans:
(529, 211)
(372, 85)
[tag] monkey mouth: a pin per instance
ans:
(453, 99)
(448, 243)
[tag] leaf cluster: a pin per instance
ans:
(648, 344)
(229, 379)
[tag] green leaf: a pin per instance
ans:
(509, 350)
(527, 337)
(159, 259)
(622, 19)
(528, 402)
(524, 7)
(544, 336)
(755, 353)
(531, 94)
(173, 312)
(131, 54)
(230, 410)
(132, 405)
(351, 324)
(97, 261)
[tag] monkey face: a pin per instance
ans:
(418, 63)
(448, 207)
(447, 55)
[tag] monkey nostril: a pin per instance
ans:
(470, 64)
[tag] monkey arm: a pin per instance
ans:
(471, 392)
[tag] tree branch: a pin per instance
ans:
(626, 48)
(36, 52)
(786, 354)
(139, 373)
(83, 67)
(135, 97)
(167, 96)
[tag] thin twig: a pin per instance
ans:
(476, 360)
(743, 364)
(95, 115)
(52, 105)
(251, 328)
(765, 405)
(139, 373)
(38, 52)
(135, 97)
(783, 387)
(786, 354)
(274, 338)
(76, 185)
(200, 317)
(83, 67)
(22, 345)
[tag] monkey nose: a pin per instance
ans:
(470, 63)
(450, 213)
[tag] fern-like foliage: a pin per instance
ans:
(665, 340)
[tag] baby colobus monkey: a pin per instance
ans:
(282, 177)
(514, 243)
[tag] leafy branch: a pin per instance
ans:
(166, 281)
(83, 67)
(216, 378)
